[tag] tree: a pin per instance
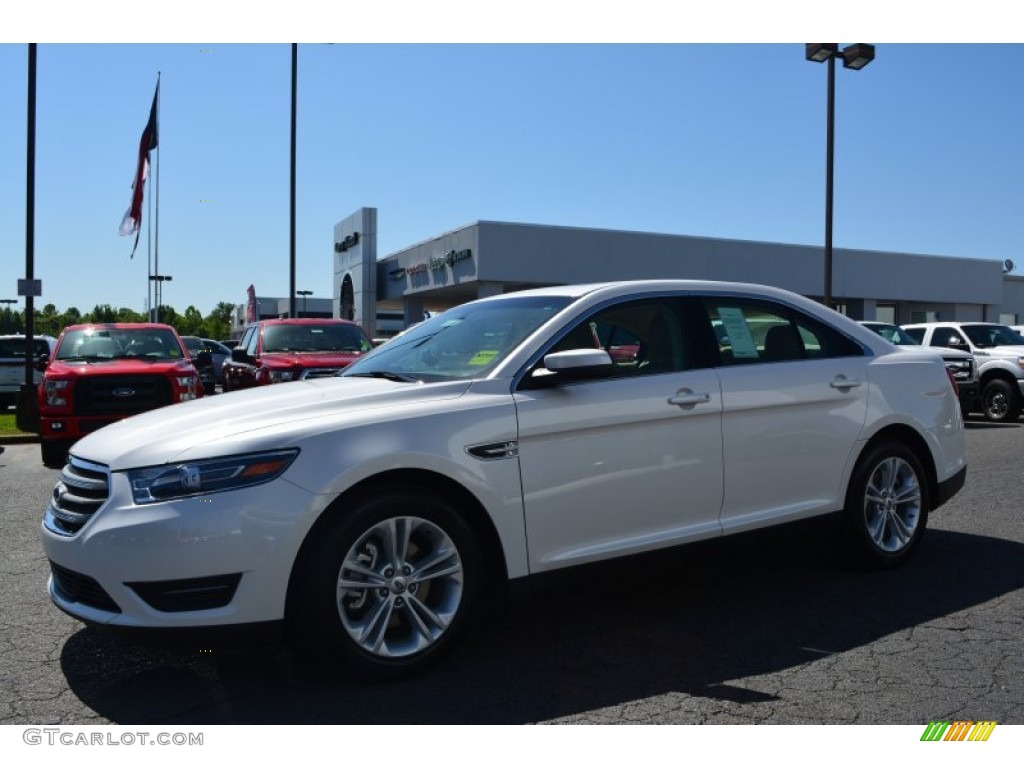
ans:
(101, 313)
(128, 315)
(191, 322)
(218, 323)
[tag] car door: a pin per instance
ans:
(626, 463)
(794, 402)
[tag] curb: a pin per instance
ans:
(18, 439)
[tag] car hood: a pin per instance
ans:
(309, 359)
(118, 367)
(275, 416)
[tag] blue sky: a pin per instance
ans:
(722, 140)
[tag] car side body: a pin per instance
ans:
(375, 510)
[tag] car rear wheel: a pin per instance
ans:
(887, 505)
(1000, 402)
(388, 587)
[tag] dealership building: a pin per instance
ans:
(486, 258)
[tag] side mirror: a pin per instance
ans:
(204, 359)
(579, 364)
(42, 362)
(239, 355)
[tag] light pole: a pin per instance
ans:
(855, 57)
(159, 293)
(304, 294)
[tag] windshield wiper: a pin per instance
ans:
(389, 375)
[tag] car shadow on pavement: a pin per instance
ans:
(682, 621)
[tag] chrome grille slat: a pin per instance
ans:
(82, 489)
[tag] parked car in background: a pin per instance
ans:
(12, 364)
(292, 349)
(962, 365)
(376, 511)
(209, 374)
(103, 373)
(999, 352)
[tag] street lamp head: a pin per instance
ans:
(858, 56)
(821, 52)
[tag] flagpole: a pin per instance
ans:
(156, 221)
(149, 260)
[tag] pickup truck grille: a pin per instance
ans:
(320, 373)
(120, 394)
(80, 492)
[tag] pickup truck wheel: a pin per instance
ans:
(1000, 402)
(389, 587)
(886, 505)
(54, 453)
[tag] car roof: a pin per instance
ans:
(305, 321)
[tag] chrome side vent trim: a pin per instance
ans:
(493, 451)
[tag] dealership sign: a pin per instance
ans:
(436, 264)
(350, 241)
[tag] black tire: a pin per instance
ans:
(887, 506)
(412, 609)
(1000, 402)
(54, 453)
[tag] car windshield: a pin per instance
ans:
(328, 337)
(119, 343)
(993, 336)
(894, 334)
(466, 342)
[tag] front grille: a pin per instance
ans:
(80, 492)
(121, 394)
(320, 373)
(202, 594)
(78, 588)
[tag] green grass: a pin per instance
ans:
(8, 425)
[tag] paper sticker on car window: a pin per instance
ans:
(739, 334)
(483, 357)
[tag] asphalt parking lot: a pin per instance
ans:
(767, 628)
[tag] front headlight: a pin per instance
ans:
(55, 390)
(198, 478)
(276, 377)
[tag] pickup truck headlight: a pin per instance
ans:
(186, 388)
(198, 478)
(276, 377)
(56, 392)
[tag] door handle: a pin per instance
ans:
(842, 383)
(687, 398)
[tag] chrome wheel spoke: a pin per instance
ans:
(900, 528)
(421, 611)
(445, 564)
(398, 530)
(372, 636)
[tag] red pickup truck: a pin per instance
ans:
(289, 349)
(102, 373)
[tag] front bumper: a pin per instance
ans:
(221, 560)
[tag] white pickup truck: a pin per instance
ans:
(999, 351)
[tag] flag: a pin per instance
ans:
(132, 221)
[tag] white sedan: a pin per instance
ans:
(511, 436)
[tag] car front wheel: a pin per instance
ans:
(887, 505)
(1000, 402)
(389, 586)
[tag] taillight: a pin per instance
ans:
(952, 381)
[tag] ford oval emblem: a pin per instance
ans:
(124, 392)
